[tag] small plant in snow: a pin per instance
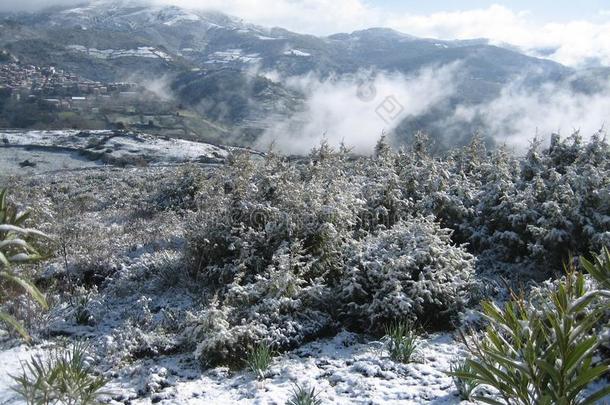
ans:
(302, 395)
(541, 353)
(169, 271)
(465, 386)
(15, 246)
(63, 378)
(401, 341)
(599, 268)
(259, 360)
(80, 304)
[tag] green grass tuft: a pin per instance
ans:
(465, 385)
(302, 395)
(259, 360)
(64, 377)
(401, 341)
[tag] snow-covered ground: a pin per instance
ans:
(137, 313)
(127, 271)
(28, 152)
(140, 52)
(296, 52)
(10, 365)
(345, 369)
(14, 161)
(233, 55)
(181, 18)
(342, 370)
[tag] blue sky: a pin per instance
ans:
(542, 10)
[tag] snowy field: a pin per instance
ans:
(28, 161)
(135, 319)
(346, 369)
(32, 152)
(123, 277)
(140, 52)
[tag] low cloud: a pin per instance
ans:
(519, 113)
(357, 109)
(573, 43)
(159, 87)
(35, 5)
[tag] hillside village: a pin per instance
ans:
(56, 89)
(46, 97)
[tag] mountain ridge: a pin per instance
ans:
(113, 41)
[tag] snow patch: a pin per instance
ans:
(140, 52)
(10, 364)
(296, 52)
(107, 145)
(233, 55)
(186, 17)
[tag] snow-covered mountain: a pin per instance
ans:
(210, 56)
(211, 39)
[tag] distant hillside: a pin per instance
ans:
(212, 61)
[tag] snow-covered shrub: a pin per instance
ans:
(180, 192)
(558, 203)
(282, 245)
(279, 307)
(252, 208)
(270, 244)
(291, 249)
(439, 187)
(386, 202)
(411, 271)
(534, 209)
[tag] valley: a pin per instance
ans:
(208, 76)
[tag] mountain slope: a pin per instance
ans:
(212, 60)
(206, 39)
